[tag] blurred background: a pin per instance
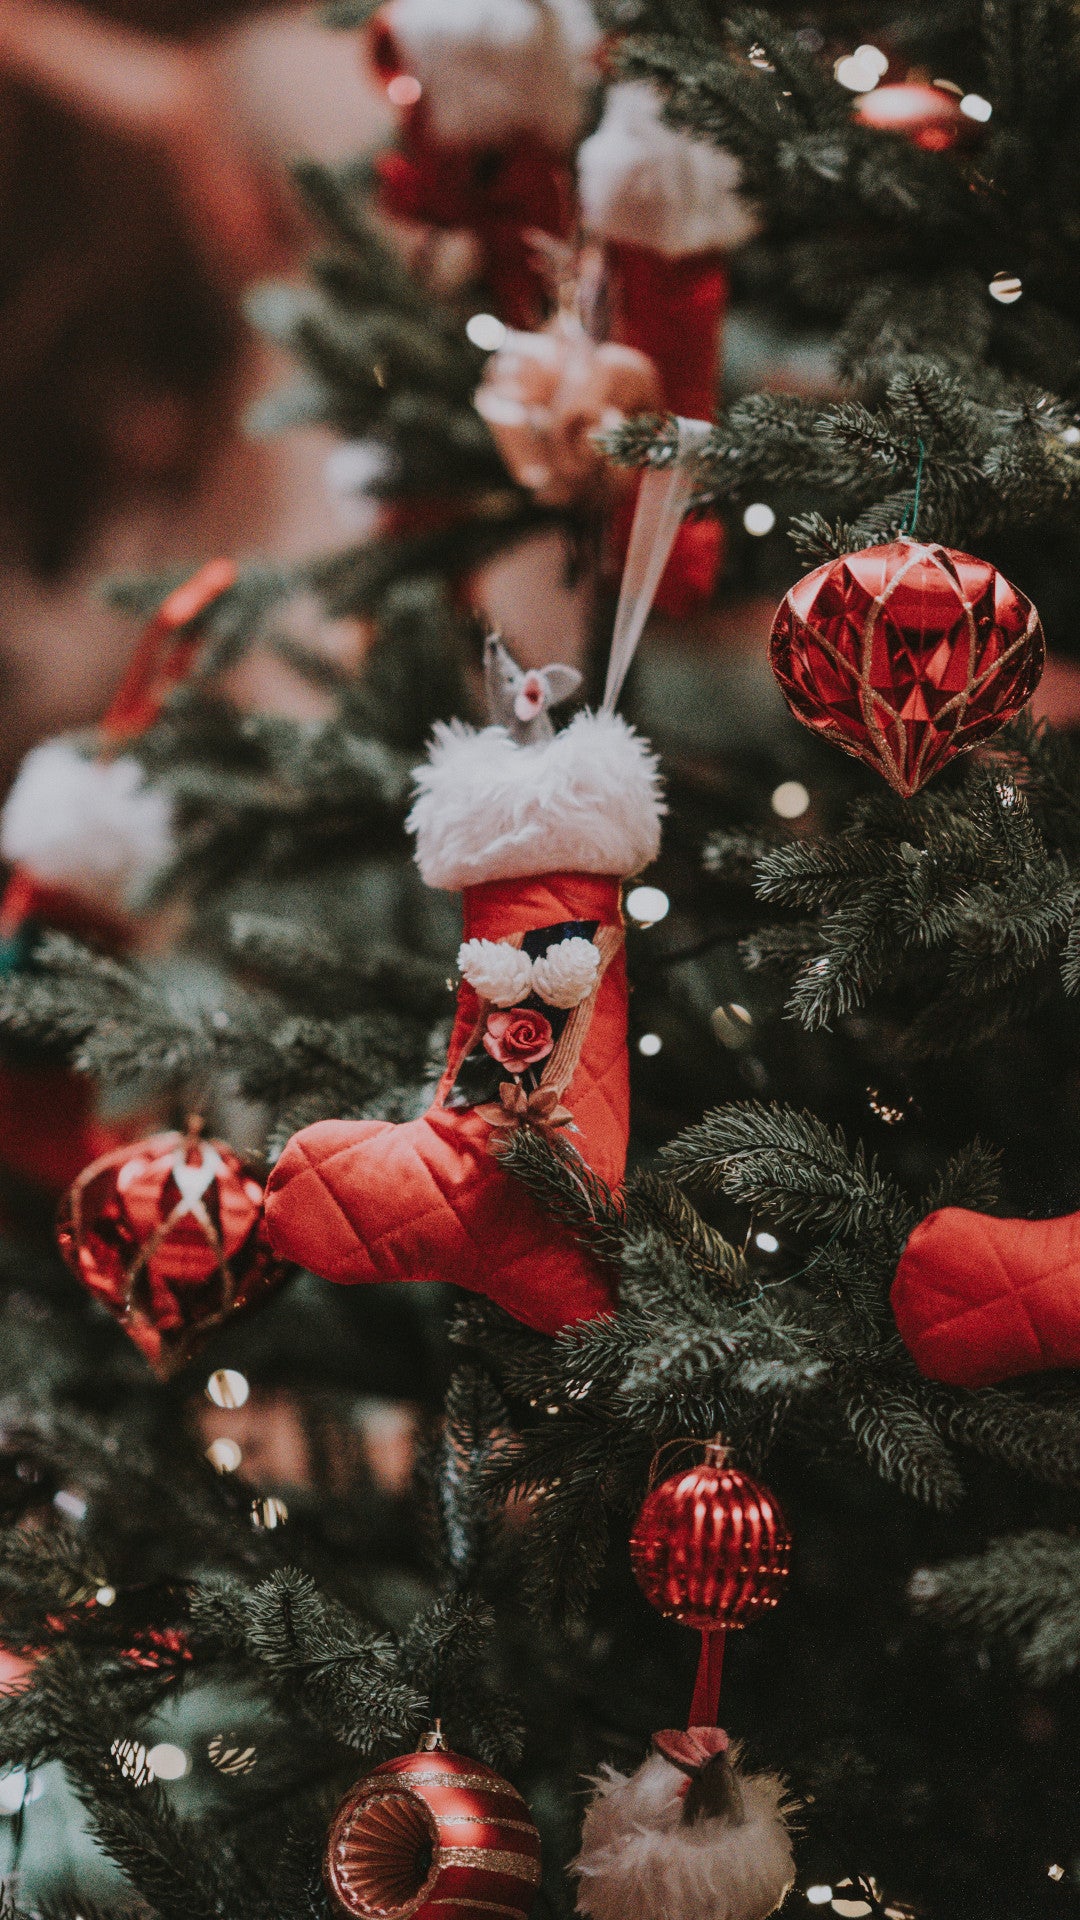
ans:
(143, 187)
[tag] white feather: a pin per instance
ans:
(587, 801)
(492, 68)
(93, 826)
(640, 1861)
(643, 182)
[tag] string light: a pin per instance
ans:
(167, 1762)
(13, 1791)
(403, 90)
(789, 800)
(268, 1513)
(975, 106)
(1005, 288)
(732, 1024)
(486, 332)
(647, 905)
(860, 71)
(230, 1760)
(649, 1044)
(227, 1389)
(105, 1596)
(759, 519)
(1055, 1872)
(819, 1896)
(768, 1243)
(132, 1759)
(72, 1504)
(224, 1455)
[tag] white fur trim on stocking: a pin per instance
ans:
(645, 183)
(92, 826)
(640, 1860)
(492, 68)
(587, 801)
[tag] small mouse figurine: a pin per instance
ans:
(520, 701)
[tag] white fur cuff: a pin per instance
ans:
(588, 801)
(93, 826)
(646, 183)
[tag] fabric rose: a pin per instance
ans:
(518, 1038)
(566, 974)
(497, 972)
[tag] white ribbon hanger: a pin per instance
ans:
(661, 503)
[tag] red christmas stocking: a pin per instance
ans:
(81, 834)
(538, 836)
(668, 210)
(979, 1299)
(490, 101)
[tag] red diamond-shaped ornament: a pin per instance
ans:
(906, 655)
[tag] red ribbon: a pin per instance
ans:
(705, 1705)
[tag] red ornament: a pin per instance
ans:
(432, 1836)
(167, 1233)
(927, 116)
(158, 1649)
(906, 655)
(978, 1299)
(711, 1549)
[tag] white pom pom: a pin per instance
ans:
(645, 183)
(492, 68)
(92, 826)
(641, 1859)
(566, 974)
(499, 973)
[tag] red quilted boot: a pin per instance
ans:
(538, 837)
(978, 1299)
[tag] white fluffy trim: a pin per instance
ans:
(644, 182)
(587, 801)
(92, 826)
(639, 1861)
(491, 68)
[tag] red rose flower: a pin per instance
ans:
(518, 1038)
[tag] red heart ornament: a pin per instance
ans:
(905, 655)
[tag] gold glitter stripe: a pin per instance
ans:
(496, 1820)
(436, 1778)
(476, 1906)
(521, 1865)
(562, 1065)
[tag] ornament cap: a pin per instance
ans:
(432, 1741)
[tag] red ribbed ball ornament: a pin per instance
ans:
(906, 655)
(168, 1234)
(432, 1836)
(928, 116)
(710, 1547)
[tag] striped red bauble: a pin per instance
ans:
(711, 1547)
(432, 1835)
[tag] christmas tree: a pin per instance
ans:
(852, 1034)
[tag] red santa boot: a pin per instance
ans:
(538, 836)
(668, 210)
(490, 97)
